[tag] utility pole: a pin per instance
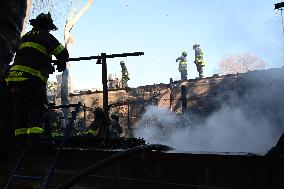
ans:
(279, 6)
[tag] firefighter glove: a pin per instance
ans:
(51, 69)
(61, 67)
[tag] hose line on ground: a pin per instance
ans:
(100, 164)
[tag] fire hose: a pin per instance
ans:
(100, 164)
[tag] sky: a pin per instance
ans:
(163, 29)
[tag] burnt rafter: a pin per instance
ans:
(99, 57)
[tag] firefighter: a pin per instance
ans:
(97, 124)
(182, 66)
(114, 127)
(28, 76)
(199, 60)
(125, 76)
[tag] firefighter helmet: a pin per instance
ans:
(115, 116)
(99, 112)
(195, 46)
(43, 21)
(184, 53)
(122, 63)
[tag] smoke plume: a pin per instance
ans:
(252, 124)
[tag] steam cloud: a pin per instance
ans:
(227, 130)
(248, 125)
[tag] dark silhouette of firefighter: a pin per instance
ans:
(199, 60)
(96, 127)
(114, 127)
(182, 66)
(28, 76)
(99, 126)
(124, 75)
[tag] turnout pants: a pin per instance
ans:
(29, 102)
(200, 70)
(183, 75)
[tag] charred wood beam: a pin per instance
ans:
(100, 57)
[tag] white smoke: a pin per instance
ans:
(228, 130)
(246, 126)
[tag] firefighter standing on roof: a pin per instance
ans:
(28, 76)
(182, 66)
(199, 60)
(124, 75)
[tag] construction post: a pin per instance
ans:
(128, 120)
(104, 82)
(105, 91)
(183, 99)
(171, 94)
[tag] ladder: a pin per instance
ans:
(44, 180)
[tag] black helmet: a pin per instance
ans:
(184, 53)
(43, 21)
(115, 116)
(195, 46)
(99, 112)
(122, 63)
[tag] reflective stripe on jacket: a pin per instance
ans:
(31, 130)
(42, 49)
(199, 57)
(35, 53)
(91, 132)
(182, 65)
(17, 77)
(36, 46)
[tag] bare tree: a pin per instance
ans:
(240, 63)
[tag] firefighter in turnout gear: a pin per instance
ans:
(99, 117)
(114, 128)
(28, 76)
(182, 66)
(124, 75)
(199, 60)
